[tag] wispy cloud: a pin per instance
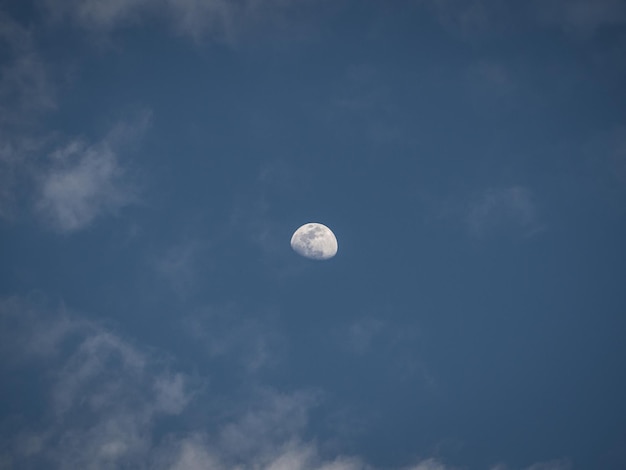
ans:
(80, 180)
(103, 393)
(557, 464)
(195, 453)
(582, 17)
(106, 395)
(377, 340)
(86, 181)
(219, 19)
(430, 464)
(463, 17)
(360, 335)
(26, 93)
(272, 418)
(98, 15)
(179, 264)
(105, 398)
(502, 210)
(25, 86)
(252, 343)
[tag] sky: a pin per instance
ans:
(156, 157)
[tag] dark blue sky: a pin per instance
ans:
(156, 157)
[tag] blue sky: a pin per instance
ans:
(156, 157)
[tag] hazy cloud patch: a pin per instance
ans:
(557, 464)
(430, 464)
(251, 342)
(582, 17)
(378, 341)
(103, 394)
(103, 397)
(85, 181)
(179, 265)
(502, 210)
(469, 18)
(272, 417)
(225, 20)
(361, 334)
(26, 93)
(230, 20)
(25, 86)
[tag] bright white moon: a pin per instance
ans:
(314, 241)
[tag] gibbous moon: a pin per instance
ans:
(314, 241)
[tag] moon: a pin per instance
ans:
(314, 241)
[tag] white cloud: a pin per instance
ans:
(172, 395)
(273, 418)
(106, 396)
(302, 457)
(86, 181)
(430, 464)
(80, 181)
(190, 453)
(195, 452)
